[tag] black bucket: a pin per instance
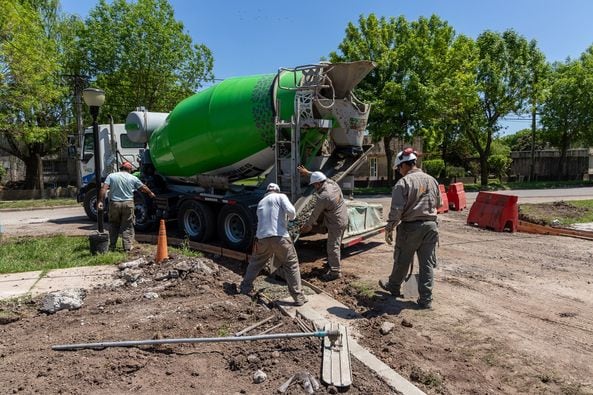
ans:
(99, 243)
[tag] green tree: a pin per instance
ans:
(566, 115)
(523, 140)
(32, 105)
(539, 71)
(141, 56)
(502, 78)
(460, 101)
(500, 159)
(402, 88)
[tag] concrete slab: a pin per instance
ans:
(17, 284)
(320, 309)
(77, 277)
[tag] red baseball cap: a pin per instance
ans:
(127, 166)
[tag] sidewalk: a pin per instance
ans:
(33, 283)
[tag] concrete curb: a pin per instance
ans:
(2, 210)
(321, 309)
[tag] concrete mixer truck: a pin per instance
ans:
(255, 127)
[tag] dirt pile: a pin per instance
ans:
(182, 298)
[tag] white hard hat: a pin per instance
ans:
(404, 156)
(317, 176)
(273, 187)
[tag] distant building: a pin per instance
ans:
(373, 172)
(578, 164)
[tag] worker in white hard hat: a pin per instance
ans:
(330, 214)
(273, 241)
(414, 204)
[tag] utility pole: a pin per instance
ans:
(532, 167)
(79, 83)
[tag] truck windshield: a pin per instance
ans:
(125, 142)
(89, 145)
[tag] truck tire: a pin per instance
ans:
(145, 221)
(236, 227)
(90, 205)
(196, 220)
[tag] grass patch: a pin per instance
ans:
(569, 212)
(223, 331)
(54, 252)
(33, 203)
(185, 250)
(364, 288)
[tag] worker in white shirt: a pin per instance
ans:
(273, 240)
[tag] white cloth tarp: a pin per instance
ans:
(363, 217)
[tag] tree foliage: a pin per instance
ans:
(141, 56)
(566, 116)
(402, 89)
(32, 107)
(501, 80)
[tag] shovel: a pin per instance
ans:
(410, 287)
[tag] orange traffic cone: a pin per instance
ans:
(161, 248)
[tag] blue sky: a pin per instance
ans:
(255, 37)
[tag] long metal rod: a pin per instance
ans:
(132, 343)
(244, 331)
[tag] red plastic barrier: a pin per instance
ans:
(494, 211)
(444, 208)
(456, 195)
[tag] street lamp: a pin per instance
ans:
(94, 98)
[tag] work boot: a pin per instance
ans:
(424, 305)
(300, 300)
(386, 285)
(246, 290)
(331, 275)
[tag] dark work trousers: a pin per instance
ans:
(418, 237)
(283, 250)
(121, 219)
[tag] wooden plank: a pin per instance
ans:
(528, 227)
(207, 248)
(336, 369)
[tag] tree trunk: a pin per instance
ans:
(33, 172)
(389, 158)
(484, 171)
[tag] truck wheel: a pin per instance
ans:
(143, 213)
(236, 227)
(90, 205)
(196, 220)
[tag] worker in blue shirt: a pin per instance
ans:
(121, 187)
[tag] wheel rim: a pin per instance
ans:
(192, 223)
(141, 213)
(234, 228)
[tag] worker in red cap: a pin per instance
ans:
(121, 187)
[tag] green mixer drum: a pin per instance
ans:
(221, 126)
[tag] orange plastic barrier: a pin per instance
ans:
(494, 211)
(444, 208)
(456, 195)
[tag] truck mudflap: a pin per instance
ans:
(365, 220)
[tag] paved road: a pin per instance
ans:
(72, 220)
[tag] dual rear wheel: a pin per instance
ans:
(235, 224)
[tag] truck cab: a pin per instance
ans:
(114, 148)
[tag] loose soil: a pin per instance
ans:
(512, 313)
(192, 303)
(546, 213)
